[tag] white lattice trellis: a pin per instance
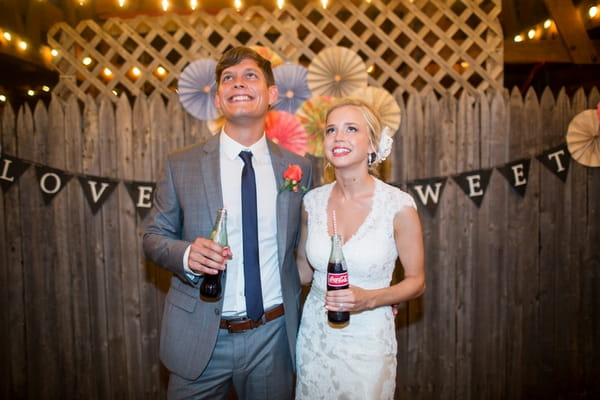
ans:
(412, 46)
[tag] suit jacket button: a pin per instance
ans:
(217, 312)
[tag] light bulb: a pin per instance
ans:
(547, 23)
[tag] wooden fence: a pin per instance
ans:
(512, 304)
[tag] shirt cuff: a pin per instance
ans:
(193, 276)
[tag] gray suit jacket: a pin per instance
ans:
(186, 201)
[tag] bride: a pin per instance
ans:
(379, 223)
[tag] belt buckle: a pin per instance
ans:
(227, 325)
(262, 319)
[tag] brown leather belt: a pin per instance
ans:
(237, 326)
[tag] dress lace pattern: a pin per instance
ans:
(357, 361)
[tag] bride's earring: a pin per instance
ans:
(371, 159)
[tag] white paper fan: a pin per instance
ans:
(383, 102)
(197, 87)
(293, 89)
(583, 137)
(336, 71)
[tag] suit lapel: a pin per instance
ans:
(280, 164)
(210, 167)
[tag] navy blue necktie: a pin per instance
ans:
(252, 290)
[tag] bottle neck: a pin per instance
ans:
(336, 249)
(219, 232)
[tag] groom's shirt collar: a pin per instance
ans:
(231, 149)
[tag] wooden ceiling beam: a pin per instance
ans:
(531, 52)
(572, 31)
(534, 51)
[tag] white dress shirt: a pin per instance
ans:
(234, 301)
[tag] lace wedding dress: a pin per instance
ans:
(357, 361)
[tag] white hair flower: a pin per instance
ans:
(385, 144)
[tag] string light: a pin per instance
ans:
(193, 4)
(237, 4)
(54, 52)
(518, 39)
(121, 3)
(7, 36)
(324, 3)
(23, 45)
(135, 71)
(547, 23)
(31, 93)
(3, 98)
(593, 11)
(531, 33)
(161, 71)
(46, 88)
(280, 4)
(86, 61)
(107, 72)
(165, 5)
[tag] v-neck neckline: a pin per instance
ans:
(362, 225)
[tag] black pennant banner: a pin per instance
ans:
(557, 160)
(474, 184)
(51, 181)
(428, 192)
(96, 190)
(11, 169)
(141, 194)
(517, 173)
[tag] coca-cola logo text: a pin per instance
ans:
(337, 279)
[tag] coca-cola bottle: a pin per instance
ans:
(337, 278)
(211, 287)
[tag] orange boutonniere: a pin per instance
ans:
(292, 176)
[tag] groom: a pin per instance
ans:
(209, 347)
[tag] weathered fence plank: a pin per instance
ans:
(13, 326)
(494, 137)
(79, 244)
(111, 255)
(39, 308)
(94, 260)
(411, 314)
(131, 275)
(57, 236)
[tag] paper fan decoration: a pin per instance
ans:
(284, 129)
(293, 89)
(197, 89)
(583, 137)
(383, 102)
(336, 71)
(268, 54)
(311, 115)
